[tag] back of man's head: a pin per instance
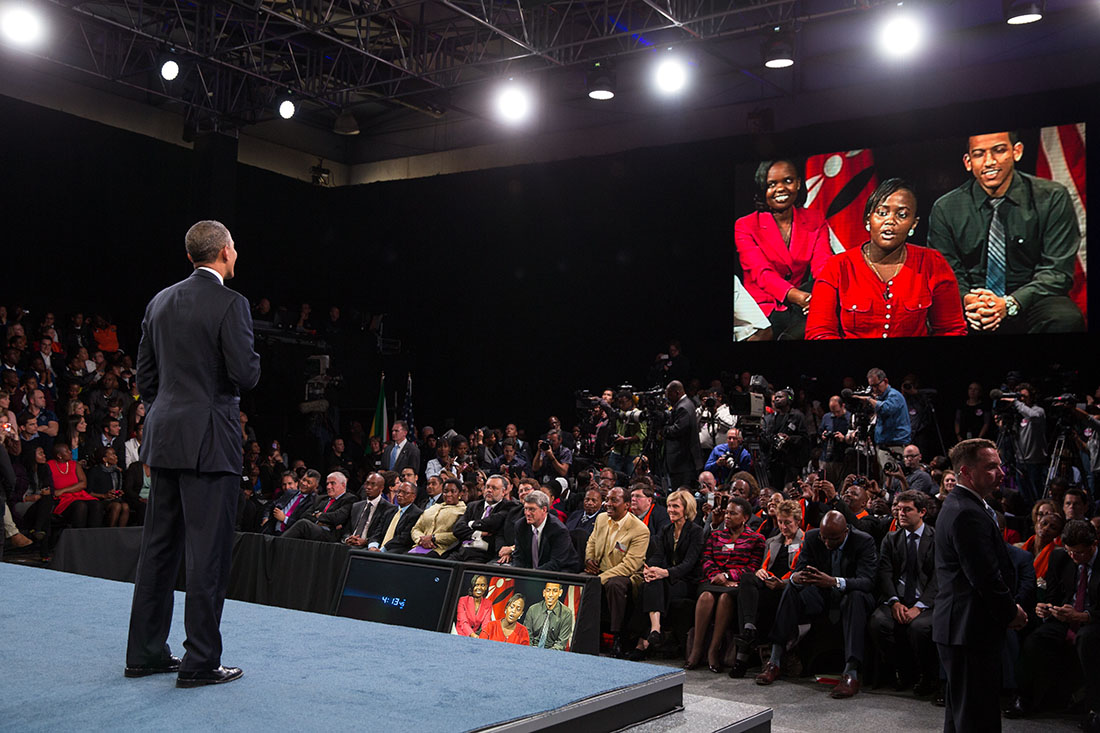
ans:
(204, 240)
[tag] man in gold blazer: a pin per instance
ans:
(616, 552)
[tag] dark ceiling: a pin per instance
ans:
(416, 73)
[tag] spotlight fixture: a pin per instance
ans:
(901, 34)
(346, 124)
(600, 80)
(21, 25)
(670, 75)
(513, 102)
(169, 70)
(778, 50)
(1020, 12)
(286, 109)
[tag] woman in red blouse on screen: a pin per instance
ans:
(781, 247)
(887, 287)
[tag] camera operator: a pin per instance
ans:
(729, 458)
(1030, 424)
(628, 436)
(916, 476)
(683, 456)
(834, 431)
(1091, 435)
(715, 419)
(891, 416)
(552, 459)
(786, 440)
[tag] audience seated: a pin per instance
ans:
(397, 535)
(616, 552)
(731, 553)
(368, 515)
(542, 541)
(432, 535)
(325, 520)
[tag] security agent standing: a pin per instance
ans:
(974, 603)
(786, 440)
(196, 354)
(683, 454)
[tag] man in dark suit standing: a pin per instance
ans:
(974, 603)
(905, 588)
(542, 541)
(196, 354)
(683, 455)
(401, 453)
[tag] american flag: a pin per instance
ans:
(407, 408)
(1062, 159)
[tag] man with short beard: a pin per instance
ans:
(481, 528)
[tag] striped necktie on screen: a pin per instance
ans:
(995, 256)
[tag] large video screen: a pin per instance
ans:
(518, 610)
(948, 237)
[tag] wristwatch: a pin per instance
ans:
(837, 582)
(1012, 308)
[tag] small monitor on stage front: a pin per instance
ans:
(396, 590)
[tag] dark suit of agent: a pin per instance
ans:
(905, 589)
(401, 453)
(196, 354)
(683, 454)
(974, 601)
(542, 541)
(396, 535)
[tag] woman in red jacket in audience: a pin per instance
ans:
(887, 288)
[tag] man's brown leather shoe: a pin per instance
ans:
(768, 675)
(847, 687)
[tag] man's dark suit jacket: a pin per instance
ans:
(337, 514)
(680, 559)
(190, 373)
(576, 521)
(1026, 590)
(682, 450)
(858, 560)
(974, 576)
(382, 516)
(556, 551)
(302, 510)
(503, 515)
(892, 557)
(409, 457)
(402, 538)
(1062, 583)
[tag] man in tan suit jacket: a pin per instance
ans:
(616, 552)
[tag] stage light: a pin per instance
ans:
(169, 70)
(286, 109)
(778, 50)
(1020, 12)
(901, 34)
(513, 102)
(346, 124)
(600, 80)
(22, 25)
(670, 75)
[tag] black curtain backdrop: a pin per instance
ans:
(509, 288)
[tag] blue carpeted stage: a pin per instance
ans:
(62, 642)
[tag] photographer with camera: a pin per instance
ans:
(1028, 421)
(628, 437)
(683, 456)
(715, 419)
(552, 459)
(729, 458)
(786, 440)
(1090, 436)
(834, 434)
(891, 416)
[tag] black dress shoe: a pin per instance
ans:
(925, 687)
(637, 655)
(1018, 708)
(617, 647)
(939, 700)
(1091, 723)
(210, 677)
(171, 664)
(739, 668)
